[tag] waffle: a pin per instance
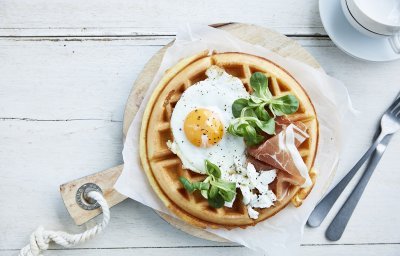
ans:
(163, 168)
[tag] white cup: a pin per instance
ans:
(375, 18)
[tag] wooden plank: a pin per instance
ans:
(37, 156)
(89, 76)
(94, 76)
(62, 108)
(126, 17)
(338, 250)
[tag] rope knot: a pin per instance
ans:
(41, 238)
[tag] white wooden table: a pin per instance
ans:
(66, 69)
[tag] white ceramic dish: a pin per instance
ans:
(378, 17)
(349, 39)
(351, 19)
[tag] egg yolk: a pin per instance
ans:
(203, 128)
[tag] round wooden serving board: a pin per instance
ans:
(267, 38)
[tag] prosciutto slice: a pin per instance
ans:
(259, 165)
(280, 152)
(282, 182)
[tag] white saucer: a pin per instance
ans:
(349, 39)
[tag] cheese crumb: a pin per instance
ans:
(247, 180)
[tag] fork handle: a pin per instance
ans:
(324, 206)
(339, 223)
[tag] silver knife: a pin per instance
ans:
(339, 223)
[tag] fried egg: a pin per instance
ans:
(200, 120)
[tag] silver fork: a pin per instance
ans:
(390, 123)
(338, 225)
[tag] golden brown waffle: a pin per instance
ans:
(163, 168)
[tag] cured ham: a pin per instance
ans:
(282, 123)
(259, 165)
(280, 152)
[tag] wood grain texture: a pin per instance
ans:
(364, 250)
(66, 69)
(105, 180)
(151, 17)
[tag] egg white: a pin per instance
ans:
(216, 93)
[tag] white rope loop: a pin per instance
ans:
(41, 238)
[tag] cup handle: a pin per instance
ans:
(395, 43)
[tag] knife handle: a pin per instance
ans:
(339, 223)
(324, 206)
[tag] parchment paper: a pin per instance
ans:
(281, 234)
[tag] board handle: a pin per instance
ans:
(105, 180)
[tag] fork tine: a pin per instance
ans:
(395, 106)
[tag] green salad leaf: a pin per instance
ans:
(227, 186)
(216, 202)
(186, 184)
(212, 192)
(216, 190)
(253, 115)
(259, 83)
(285, 105)
(228, 196)
(212, 169)
(190, 187)
(238, 105)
